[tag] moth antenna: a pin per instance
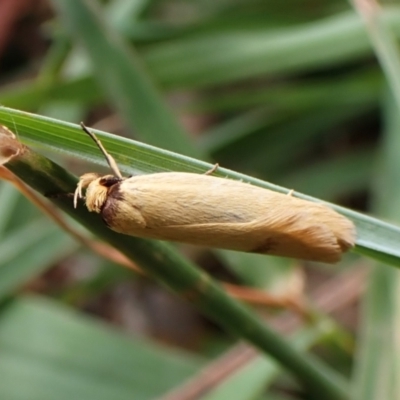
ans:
(110, 160)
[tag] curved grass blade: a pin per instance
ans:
(120, 72)
(376, 239)
(236, 55)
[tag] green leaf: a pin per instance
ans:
(123, 77)
(252, 380)
(384, 44)
(51, 352)
(237, 55)
(29, 250)
(377, 361)
(29, 244)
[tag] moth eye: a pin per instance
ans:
(109, 181)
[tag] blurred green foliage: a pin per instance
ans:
(289, 93)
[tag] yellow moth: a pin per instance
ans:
(215, 212)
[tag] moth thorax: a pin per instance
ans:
(96, 196)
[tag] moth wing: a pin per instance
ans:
(281, 236)
(295, 236)
(236, 216)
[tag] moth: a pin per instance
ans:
(215, 212)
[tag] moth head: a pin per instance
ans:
(97, 187)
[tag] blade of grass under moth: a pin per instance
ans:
(172, 270)
(120, 72)
(376, 239)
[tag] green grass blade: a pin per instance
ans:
(251, 381)
(28, 246)
(30, 250)
(376, 238)
(234, 55)
(8, 199)
(50, 352)
(355, 170)
(383, 41)
(120, 72)
(377, 364)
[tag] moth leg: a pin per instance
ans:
(83, 183)
(290, 193)
(57, 195)
(212, 170)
